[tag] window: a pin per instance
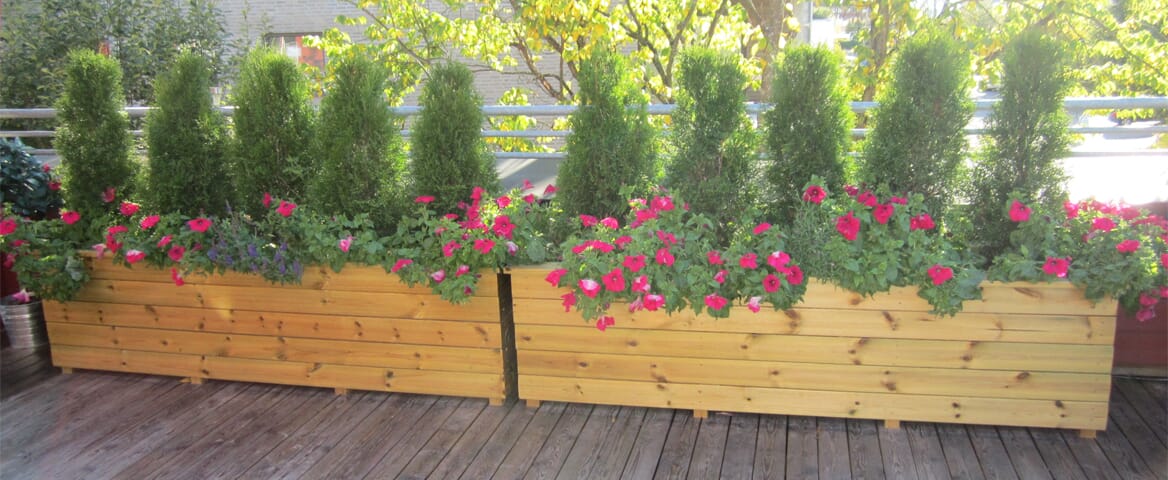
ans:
(292, 44)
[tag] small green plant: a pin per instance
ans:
(917, 144)
(1027, 135)
(186, 140)
(612, 143)
(360, 146)
(94, 139)
(715, 167)
(28, 188)
(808, 131)
(450, 157)
(273, 129)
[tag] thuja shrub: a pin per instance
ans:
(808, 132)
(1026, 136)
(360, 145)
(186, 141)
(93, 137)
(612, 144)
(917, 144)
(273, 130)
(449, 155)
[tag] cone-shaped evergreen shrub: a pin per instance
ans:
(808, 131)
(186, 141)
(93, 138)
(715, 168)
(449, 155)
(1027, 135)
(917, 144)
(611, 144)
(360, 144)
(273, 130)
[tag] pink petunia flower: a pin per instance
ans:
(165, 240)
(503, 201)
(641, 284)
(109, 195)
(529, 198)
(661, 204)
(898, 200)
(795, 275)
(128, 209)
(8, 225)
(664, 257)
(653, 302)
(851, 190)
(549, 190)
(1019, 212)
(345, 243)
(462, 270)
(667, 238)
(614, 280)
(134, 256)
(716, 302)
(484, 245)
(771, 283)
(610, 223)
(22, 296)
(883, 212)
(527, 185)
(569, 301)
(634, 262)
(54, 185)
(176, 253)
(424, 199)
(921, 222)
(623, 241)
(1071, 208)
(940, 274)
(199, 224)
(714, 257)
(1102, 224)
(99, 249)
(450, 247)
(286, 208)
(848, 226)
(868, 199)
(70, 217)
(554, 276)
(1056, 266)
(438, 276)
(754, 303)
(720, 277)
(1127, 246)
(778, 260)
(814, 194)
(512, 248)
(503, 227)
(604, 322)
(400, 264)
(761, 228)
(588, 221)
(149, 222)
(177, 277)
(589, 287)
(749, 261)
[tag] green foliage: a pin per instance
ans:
(450, 157)
(186, 140)
(1027, 136)
(28, 187)
(272, 152)
(917, 145)
(360, 146)
(808, 131)
(612, 143)
(93, 139)
(44, 256)
(716, 166)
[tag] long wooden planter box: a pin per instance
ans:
(359, 329)
(1028, 354)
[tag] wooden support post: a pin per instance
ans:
(891, 424)
(1088, 434)
(532, 403)
(67, 370)
(701, 413)
(194, 380)
(341, 391)
(495, 402)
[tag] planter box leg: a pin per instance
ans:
(701, 413)
(532, 403)
(193, 380)
(1089, 434)
(341, 391)
(891, 424)
(495, 402)
(67, 370)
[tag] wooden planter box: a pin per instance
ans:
(1028, 354)
(359, 329)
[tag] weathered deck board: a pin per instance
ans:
(111, 425)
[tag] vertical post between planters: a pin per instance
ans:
(507, 325)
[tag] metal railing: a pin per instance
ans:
(1076, 107)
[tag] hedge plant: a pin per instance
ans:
(1026, 136)
(186, 140)
(449, 155)
(27, 186)
(272, 152)
(917, 144)
(715, 167)
(93, 137)
(612, 143)
(360, 145)
(808, 132)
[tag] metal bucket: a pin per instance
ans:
(24, 323)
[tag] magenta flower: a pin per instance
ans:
(1056, 266)
(795, 275)
(176, 277)
(512, 248)
(610, 223)
(553, 277)
(714, 257)
(661, 204)
(643, 215)
(1102, 224)
(851, 190)
(549, 190)
(754, 303)
(462, 270)
(345, 243)
(569, 300)
(484, 245)
(749, 261)
(22, 296)
(623, 241)
(503, 201)
(761, 228)
(503, 227)
(715, 301)
(54, 185)
(99, 249)
(1019, 212)
(70, 217)
(109, 195)
(286, 208)
(868, 199)
(814, 194)
(134, 256)
(605, 322)
(165, 240)
(848, 226)
(1127, 246)
(1145, 314)
(527, 185)
(199, 224)
(424, 199)
(720, 277)
(898, 200)
(176, 253)
(589, 287)
(1148, 300)
(771, 283)
(1164, 260)
(267, 200)
(921, 222)
(8, 225)
(641, 284)
(667, 238)
(400, 264)
(940, 274)
(529, 198)
(653, 302)
(450, 247)
(588, 221)
(116, 229)
(149, 222)
(614, 281)
(665, 257)
(128, 209)
(1072, 209)
(778, 260)
(634, 262)
(883, 212)
(438, 276)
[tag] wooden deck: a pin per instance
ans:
(102, 425)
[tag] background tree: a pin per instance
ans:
(715, 168)
(808, 131)
(612, 144)
(186, 140)
(449, 155)
(361, 153)
(1027, 135)
(918, 144)
(272, 151)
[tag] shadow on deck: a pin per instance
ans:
(108, 425)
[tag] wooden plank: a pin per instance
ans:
(320, 302)
(927, 451)
(1153, 412)
(678, 449)
(646, 450)
(960, 455)
(834, 458)
(336, 327)
(388, 434)
(864, 449)
(559, 443)
(338, 352)
(837, 350)
(991, 454)
(496, 448)
(472, 439)
(981, 327)
(431, 453)
(525, 448)
(802, 448)
(594, 433)
(770, 455)
(602, 448)
(1024, 455)
(818, 376)
(897, 454)
(710, 447)
(1123, 456)
(741, 441)
(1144, 442)
(1056, 455)
(128, 361)
(1070, 414)
(1090, 457)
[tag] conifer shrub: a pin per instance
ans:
(449, 155)
(272, 151)
(186, 140)
(715, 168)
(808, 132)
(612, 144)
(360, 145)
(917, 144)
(93, 137)
(1026, 136)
